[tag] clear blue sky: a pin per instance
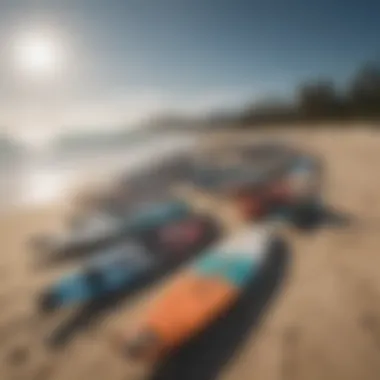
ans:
(199, 46)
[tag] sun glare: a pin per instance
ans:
(37, 54)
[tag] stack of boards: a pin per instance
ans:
(139, 256)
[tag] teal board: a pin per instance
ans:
(237, 271)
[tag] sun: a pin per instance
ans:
(37, 54)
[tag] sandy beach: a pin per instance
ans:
(323, 323)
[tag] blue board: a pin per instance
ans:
(102, 275)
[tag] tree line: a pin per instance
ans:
(319, 100)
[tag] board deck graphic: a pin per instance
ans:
(203, 290)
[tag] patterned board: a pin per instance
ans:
(201, 292)
(236, 259)
(114, 269)
(104, 274)
(104, 228)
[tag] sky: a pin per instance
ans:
(110, 62)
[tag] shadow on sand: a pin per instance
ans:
(206, 354)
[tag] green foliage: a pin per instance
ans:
(319, 100)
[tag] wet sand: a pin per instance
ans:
(323, 323)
